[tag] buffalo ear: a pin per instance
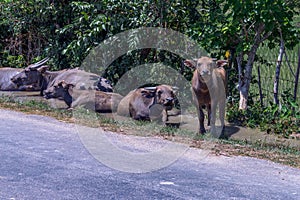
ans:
(69, 86)
(148, 93)
(43, 69)
(61, 83)
(65, 85)
(190, 63)
(221, 63)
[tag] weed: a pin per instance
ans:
(283, 119)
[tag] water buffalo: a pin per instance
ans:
(39, 74)
(208, 84)
(138, 103)
(98, 101)
(7, 81)
(5, 75)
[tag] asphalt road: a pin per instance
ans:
(42, 158)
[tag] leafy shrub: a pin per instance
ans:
(278, 119)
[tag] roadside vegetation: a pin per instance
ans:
(283, 119)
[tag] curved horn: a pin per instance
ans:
(175, 88)
(150, 88)
(38, 64)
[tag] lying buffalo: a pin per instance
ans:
(81, 80)
(7, 82)
(208, 84)
(98, 101)
(5, 75)
(39, 74)
(138, 103)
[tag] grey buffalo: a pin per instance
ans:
(5, 75)
(7, 82)
(139, 102)
(208, 84)
(98, 101)
(40, 75)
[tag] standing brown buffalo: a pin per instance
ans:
(138, 103)
(208, 84)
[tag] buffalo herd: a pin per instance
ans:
(77, 87)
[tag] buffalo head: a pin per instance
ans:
(31, 75)
(104, 85)
(164, 95)
(59, 90)
(204, 66)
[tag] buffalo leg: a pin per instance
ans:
(165, 116)
(208, 114)
(222, 116)
(213, 118)
(201, 120)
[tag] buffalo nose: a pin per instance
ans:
(204, 72)
(170, 99)
(46, 93)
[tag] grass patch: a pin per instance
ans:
(259, 149)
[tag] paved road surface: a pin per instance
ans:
(41, 158)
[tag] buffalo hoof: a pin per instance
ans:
(220, 134)
(223, 135)
(202, 131)
(217, 132)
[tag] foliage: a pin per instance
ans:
(235, 23)
(66, 31)
(279, 119)
(24, 30)
(241, 26)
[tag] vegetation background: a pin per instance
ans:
(250, 31)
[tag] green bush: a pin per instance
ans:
(283, 119)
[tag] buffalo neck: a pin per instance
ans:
(68, 98)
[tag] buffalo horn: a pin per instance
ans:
(175, 88)
(38, 64)
(150, 88)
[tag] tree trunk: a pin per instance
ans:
(261, 97)
(243, 93)
(277, 72)
(239, 60)
(245, 86)
(297, 77)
